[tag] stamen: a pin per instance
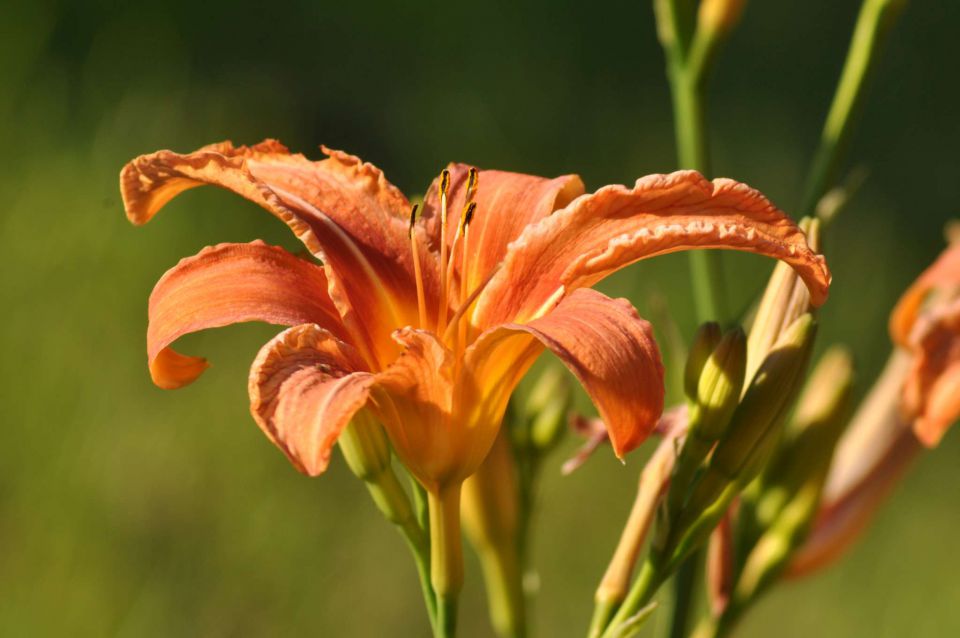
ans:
(473, 181)
(469, 301)
(465, 216)
(417, 275)
(442, 311)
(468, 215)
(465, 254)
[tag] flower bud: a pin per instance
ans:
(719, 16)
(793, 486)
(490, 511)
(721, 382)
(367, 452)
(365, 447)
(716, 397)
(756, 422)
(540, 422)
(785, 298)
(704, 343)
(811, 437)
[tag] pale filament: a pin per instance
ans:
(442, 310)
(417, 274)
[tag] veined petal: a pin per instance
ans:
(226, 284)
(605, 344)
(344, 210)
(616, 226)
(305, 385)
(506, 204)
(944, 273)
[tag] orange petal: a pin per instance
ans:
(616, 226)
(604, 343)
(943, 273)
(415, 399)
(305, 386)
(931, 391)
(226, 284)
(344, 210)
(871, 457)
(506, 204)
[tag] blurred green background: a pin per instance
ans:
(129, 511)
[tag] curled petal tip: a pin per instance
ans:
(171, 370)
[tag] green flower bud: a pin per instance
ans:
(721, 381)
(542, 421)
(367, 452)
(756, 423)
(716, 398)
(812, 435)
(364, 446)
(704, 343)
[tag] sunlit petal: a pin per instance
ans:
(305, 385)
(942, 274)
(506, 204)
(343, 209)
(605, 344)
(600, 233)
(227, 284)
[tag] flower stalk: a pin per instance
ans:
(446, 556)
(874, 23)
(364, 446)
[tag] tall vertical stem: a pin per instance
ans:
(873, 24)
(446, 556)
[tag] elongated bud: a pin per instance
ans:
(364, 446)
(802, 462)
(367, 452)
(784, 300)
(543, 420)
(821, 417)
(716, 398)
(721, 382)
(757, 421)
(704, 343)
(490, 510)
(719, 16)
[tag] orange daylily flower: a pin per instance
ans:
(926, 323)
(429, 322)
(915, 400)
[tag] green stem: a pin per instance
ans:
(873, 25)
(643, 589)
(684, 586)
(687, 72)
(446, 556)
(706, 268)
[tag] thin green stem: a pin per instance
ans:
(643, 589)
(386, 491)
(684, 587)
(446, 556)
(873, 25)
(686, 88)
